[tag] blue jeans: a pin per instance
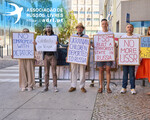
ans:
(131, 71)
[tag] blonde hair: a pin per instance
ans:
(129, 24)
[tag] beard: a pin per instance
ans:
(80, 32)
(49, 30)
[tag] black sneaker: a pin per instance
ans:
(45, 90)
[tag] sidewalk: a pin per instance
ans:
(7, 61)
(34, 105)
(16, 105)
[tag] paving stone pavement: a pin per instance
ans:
(118, 106)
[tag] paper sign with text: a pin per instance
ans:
(46, 43)
(22, 45)
(78, 50)
(104, 47)
(145, 47)
(128, 51)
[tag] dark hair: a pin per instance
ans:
(26, 30)
(104, 20)
(148, 31)
(52, 32)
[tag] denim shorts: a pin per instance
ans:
(101, 64)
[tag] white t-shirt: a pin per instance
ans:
(101, 32)
(126, 36)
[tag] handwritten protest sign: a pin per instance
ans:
(46, 43)
(104, 47)
(145, 47)
(128, 51)
(39, 58)
(78, 50)
(22, 45)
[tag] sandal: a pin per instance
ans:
(148, 93)
(109, 90)
(100, 90)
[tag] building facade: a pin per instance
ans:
(118, 12)
(88, 12)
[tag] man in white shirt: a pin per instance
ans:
(108, 64)
(74, 67)
(126, 68)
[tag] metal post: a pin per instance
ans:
(40, 76)
(1, 51)
(7, 50)
(143, 83)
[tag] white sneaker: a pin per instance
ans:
(29, 89)
(133, 92)
(55, 89)
(23, 89)
(123, 90)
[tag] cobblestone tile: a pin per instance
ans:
(118, 106)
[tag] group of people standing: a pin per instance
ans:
(27, 68)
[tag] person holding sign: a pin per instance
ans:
(50, 58)
(126, 68)
(101, 64)
(26, 72)
(74, 66)
(143, 70)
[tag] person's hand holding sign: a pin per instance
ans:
(35, 43)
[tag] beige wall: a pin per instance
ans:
(138, 10)
(90, 21)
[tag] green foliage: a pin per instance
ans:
(39, 25)
(67, 27)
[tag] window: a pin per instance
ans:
(81, 19)
(96, 19)
(96, 12)
(82, 12)
(88, 19)
(75, 12)
(1, 17)
(89, 12)
(6, 3)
